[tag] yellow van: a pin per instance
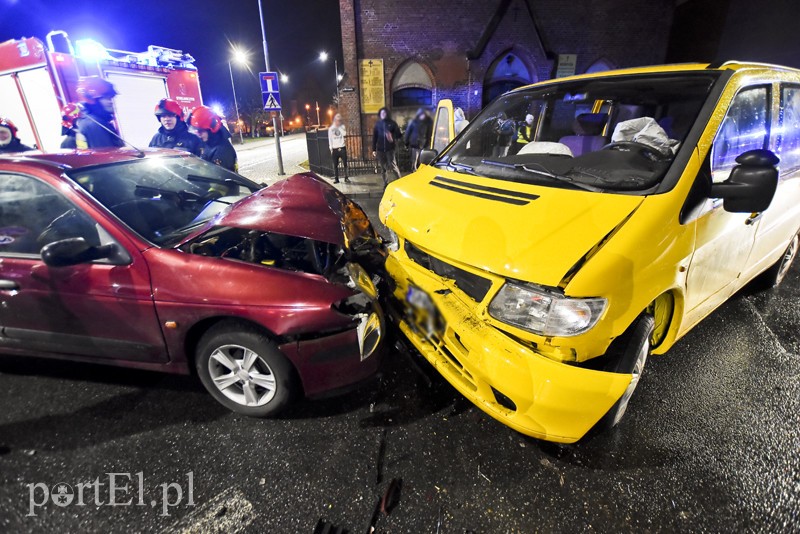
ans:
(537, 275)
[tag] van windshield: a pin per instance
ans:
(617, 133)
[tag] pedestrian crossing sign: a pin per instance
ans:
(270, 92)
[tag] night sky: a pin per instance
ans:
(296, 32)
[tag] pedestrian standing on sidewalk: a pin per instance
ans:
(336, 142)
(385, 135)
(418, 135)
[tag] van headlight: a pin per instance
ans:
(393, 243)
(544, 312)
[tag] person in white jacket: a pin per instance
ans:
(336, 141)
(459, 121)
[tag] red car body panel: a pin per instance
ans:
(296, 206)
(122, 310)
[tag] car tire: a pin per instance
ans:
(244, 370)
(773, 276)
(628, 355)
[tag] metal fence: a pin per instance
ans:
(359, 154)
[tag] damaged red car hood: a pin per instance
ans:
(302, 206)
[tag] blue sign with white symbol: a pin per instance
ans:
(270, 93)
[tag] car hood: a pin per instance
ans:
(518, 231)
(303, 206)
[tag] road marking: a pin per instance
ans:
(770, 333)
(229, 512)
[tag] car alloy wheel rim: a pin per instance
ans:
(788, 258)
(242, 375)
(638, 367)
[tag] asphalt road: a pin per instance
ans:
(710, 443)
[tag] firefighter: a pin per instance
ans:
(96, 127)
(174, 133)
(217, 147)
(525, 133)
(69, 116)
(9, 142)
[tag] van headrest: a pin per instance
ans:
(590, 123)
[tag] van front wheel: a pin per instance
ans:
(628, 356)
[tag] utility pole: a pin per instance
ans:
(274, 119)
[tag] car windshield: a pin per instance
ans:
(617, 133)
(163, 198)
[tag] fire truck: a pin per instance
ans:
(38, 79)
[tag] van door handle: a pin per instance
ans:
(753, 218)
(8, 285)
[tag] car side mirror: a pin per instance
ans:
(76, 250)
(752, 183)
(427, 155)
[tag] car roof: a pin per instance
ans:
(674, 68)
(76, 159)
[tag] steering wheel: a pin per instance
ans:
(646, 151)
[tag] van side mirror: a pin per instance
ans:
(752, 183)
(427, 155)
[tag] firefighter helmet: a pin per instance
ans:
(10, 125)
(69, 114)
(92, 88)
(204, 118)
(167, 105)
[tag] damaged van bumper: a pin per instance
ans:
(522, 389)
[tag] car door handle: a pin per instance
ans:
(753, 218)
(8, 285)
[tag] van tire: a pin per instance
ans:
(628, 355)
(773, 276)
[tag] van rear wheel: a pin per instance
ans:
(628, 356)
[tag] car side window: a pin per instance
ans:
(33, 214)
(745, 127)
(789, 133)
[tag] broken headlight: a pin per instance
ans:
(544, 312)
(393, 243)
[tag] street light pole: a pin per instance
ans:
(336, 79)
(318, 123)
(274, 119)
(235, 105)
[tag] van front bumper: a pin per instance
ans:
(522, 389)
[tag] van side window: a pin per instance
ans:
(745, 127)
(789, 138)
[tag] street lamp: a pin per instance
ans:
(317, 103)
(323, 56)
(240, 57)
(308, 117)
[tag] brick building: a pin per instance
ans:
(473, 50)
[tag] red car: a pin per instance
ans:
(162, 261)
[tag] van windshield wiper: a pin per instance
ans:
(542, 171)
(457, 167)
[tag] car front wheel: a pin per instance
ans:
(244, 370)
(629, 354)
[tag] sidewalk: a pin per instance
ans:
(367, 185)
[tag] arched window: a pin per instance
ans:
(599, 66)
(506, 73)
(412, 86)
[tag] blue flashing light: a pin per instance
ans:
(90, 50)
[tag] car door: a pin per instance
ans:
(95, 309)
(781, 221)
(443, 125)
(723, 239)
